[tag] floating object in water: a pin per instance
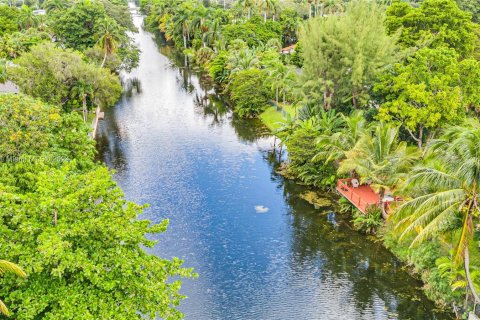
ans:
(261, 209)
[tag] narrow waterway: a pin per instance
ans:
(260, 250)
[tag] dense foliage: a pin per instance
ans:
(344, 54)
(248, 92)
(67, 223)
(388, 94)
(63, 219)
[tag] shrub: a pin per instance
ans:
(249, 92)
(368, 222)
(253, 32)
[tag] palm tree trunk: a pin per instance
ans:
(265, 16)
(310, 11)
(273, 17)
(104, 59)
(84, 109)
(185, 41)
(55, 217)
(466, 258)
(276, 95)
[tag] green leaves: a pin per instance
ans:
(68, 224)
(249, 92)
(424, 92)
(344, 54)
(436, 23)
(51, 73)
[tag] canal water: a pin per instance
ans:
(260, 250)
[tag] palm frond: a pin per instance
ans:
(7, 266)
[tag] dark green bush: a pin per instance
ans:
(253, 32)
(248, 92)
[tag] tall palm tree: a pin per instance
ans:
(247, 5)
(109, 37)
(7, 266)
(380, 158)
(200, 22)
(268, 6)
(53, 5)
(213, 33)
(447, 187)
(328, 7)
(183, 26)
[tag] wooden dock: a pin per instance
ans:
(362, 197)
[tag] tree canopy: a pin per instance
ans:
(51, 73)
(344, 54)
(435, 23)
(67, 223)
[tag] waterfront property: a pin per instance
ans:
(362, 196)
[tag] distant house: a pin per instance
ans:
(9, 87)
(289, 49)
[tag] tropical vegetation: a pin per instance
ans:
(72, 246)
(387, 93)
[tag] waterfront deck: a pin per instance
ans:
(362, 197)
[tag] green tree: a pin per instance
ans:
(343, 55)
(253, 32)
(15, 44)
(435, 23)
(53, 5)
(472, 6)
(446, 193)
(425, 93)
(91, 263)
(247, 5)
(51, 73)
(249, 92)
(300, 137)
(36, 129)
(268, 6)
(109, 37)
(333, 147)
(83, 90)
(8, 19)
(9, 267)
(26, 18)
(282, 79)
(68, 223)
(77, 26)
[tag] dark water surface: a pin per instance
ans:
(175, 146)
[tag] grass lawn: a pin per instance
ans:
(272, 118)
